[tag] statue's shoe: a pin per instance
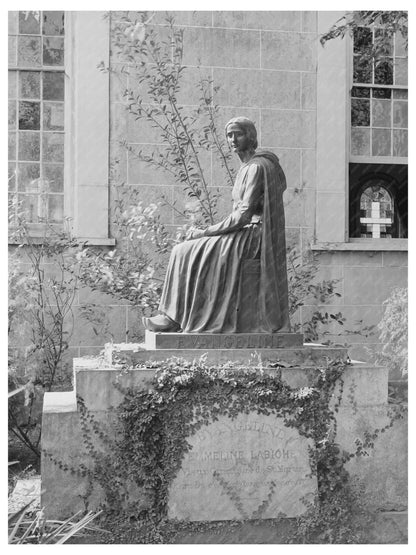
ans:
(160, 323)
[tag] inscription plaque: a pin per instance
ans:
(222, 340)
(250, 467)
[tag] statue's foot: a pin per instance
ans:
(160, 323)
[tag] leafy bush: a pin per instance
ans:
(41, 296)
(393, 329)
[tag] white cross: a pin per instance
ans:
(375, 221)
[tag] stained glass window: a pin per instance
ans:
(376, 212)
(379, 123)
(378, 200)
(36, 114)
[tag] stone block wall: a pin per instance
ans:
(366, 280)
(265, 66)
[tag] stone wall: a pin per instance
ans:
(366, 281)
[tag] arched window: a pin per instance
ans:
(378, 201)
(376, 211)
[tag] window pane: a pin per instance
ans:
(399, 142)
(53, 174)
(28, 177)
(400, 45)
(360, 112)
(360, 92)
(29, 23)
(29, 145)
(13, 22)
(53, 85)
(12, 115)
(12, 82)
(36, 112)
(12, 201)
(53, 147)
(34, 207)
(400, 114)
(53, 51)
(53, 23)
(381, 93)
(381, 113)
(12, 146)
(12, 177)
(383, 73)
(362, 71)
(28, 52)
(381, 142)
(360, 141)
(29, 84)
(399, 93)
(12, 51)
(363, 37)
(384, 42)
(53, 116)
(29, 115)
(400, 71)
(56, 208)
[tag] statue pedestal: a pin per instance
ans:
(231, 469)
(222, 340)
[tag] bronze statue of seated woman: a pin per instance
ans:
(218, 272)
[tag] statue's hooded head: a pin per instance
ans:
(248, 127)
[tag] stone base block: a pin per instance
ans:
(95, 381)
(383, 473)
(251, 459)
(222, 340)
(62, 491)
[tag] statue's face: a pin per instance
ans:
(237, 138)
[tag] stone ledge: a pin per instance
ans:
(96, 385)
(305, 355)
(59, 401)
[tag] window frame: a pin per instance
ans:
(37, 229)
(367, 159)
(334, 82)
(86, 170)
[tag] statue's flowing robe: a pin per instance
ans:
(202, 289)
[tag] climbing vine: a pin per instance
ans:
(155, 422)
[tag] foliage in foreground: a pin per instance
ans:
(42, 293)
(26, 528)
(393, 328)
(388, 24)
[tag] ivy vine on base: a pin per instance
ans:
(154, 424)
